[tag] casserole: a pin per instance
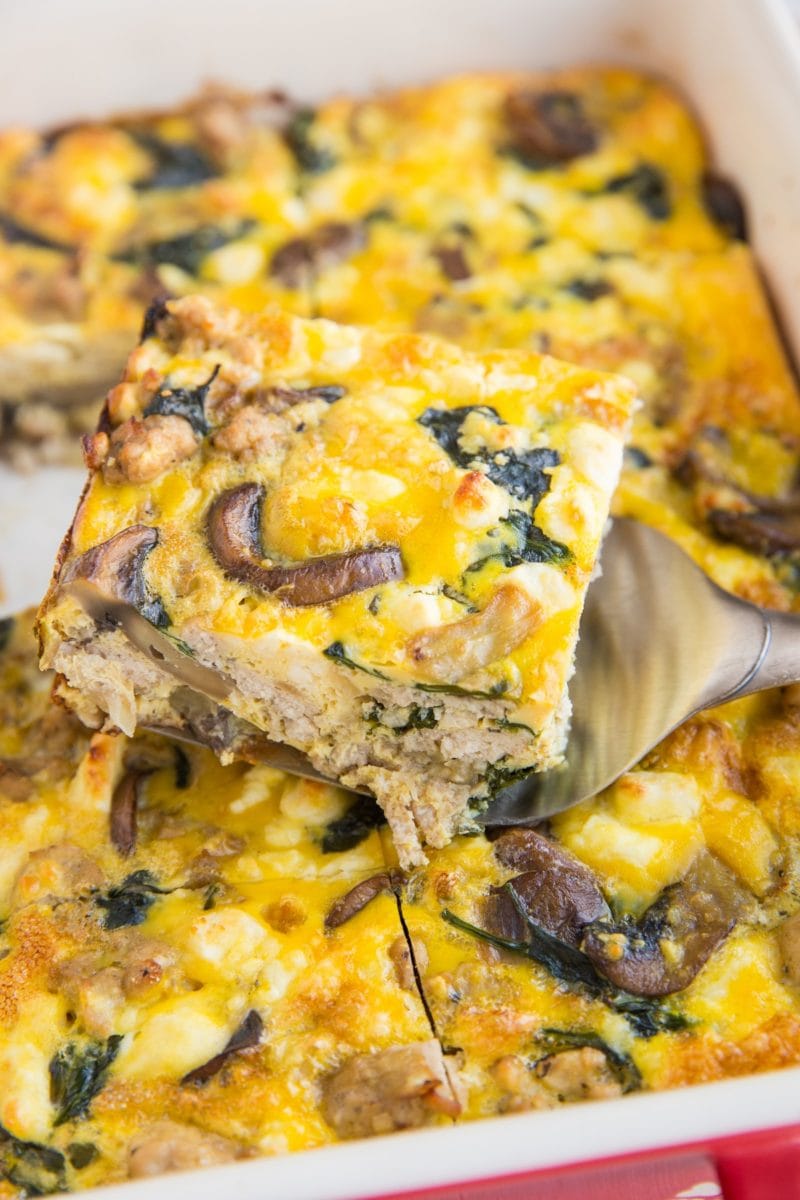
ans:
(610, 33)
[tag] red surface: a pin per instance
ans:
(749, 1166)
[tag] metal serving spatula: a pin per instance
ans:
(658, 642)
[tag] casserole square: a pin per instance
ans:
(199, 962)
(374, 548)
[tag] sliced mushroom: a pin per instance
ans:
(359, 897)
(453, 262)
(448, 653)
(558, 892)
(768, 525)
(549, 127)
(246, 1036)
(297, 262)
(723, 204)
(109, 584)
(115, 570)
(762, 532)
(124, 811)
(287, 397)
(234, 534)
(664, 951)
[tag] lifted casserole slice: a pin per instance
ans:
(372, 548)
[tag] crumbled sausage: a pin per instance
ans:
(96, 448)
(170, 1146)
(62, 871)
(58, 296)
(399, 1088)
(15, 783)
(222, 125)
(99, 982)
(520, 1090)
(581, 1074)
(140, 450)
(789, 945)
(400, 955)
(252, 433)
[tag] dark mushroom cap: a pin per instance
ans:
(115, 569)
(360, 896)
(245, 1037)
(234, 535)
(108, 582)
(724, 205)
(453, 262)
(297, 262)
(693, 916)
(558, 893)
(123, 818)
(763, 532)
(549, 127)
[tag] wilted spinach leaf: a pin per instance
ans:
(445, 425)
(520, 473)
(554, 1041)
(337, 652)
(647, 186)
(299, 138)
(130, 902)
(186, 402)
(498, 777)
(533, 545)
(175, 164)
(12, 232)
(37, 1170)
(81, 1154)
(419, 717)
(588, 289)
(77, 1074)
(186, 250)
(364, 815)
(6, 630)
(563, 962)
(572, 967)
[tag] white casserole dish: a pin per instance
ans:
(739, 63)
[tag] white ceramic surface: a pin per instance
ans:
(739, 62)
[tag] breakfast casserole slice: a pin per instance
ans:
(198, 963)
(98, 218)
(251, 198)
(610, 156)
(645, 939)
(372, 548)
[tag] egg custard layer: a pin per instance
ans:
(198, 963)
(372, 547)
(649, 938)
